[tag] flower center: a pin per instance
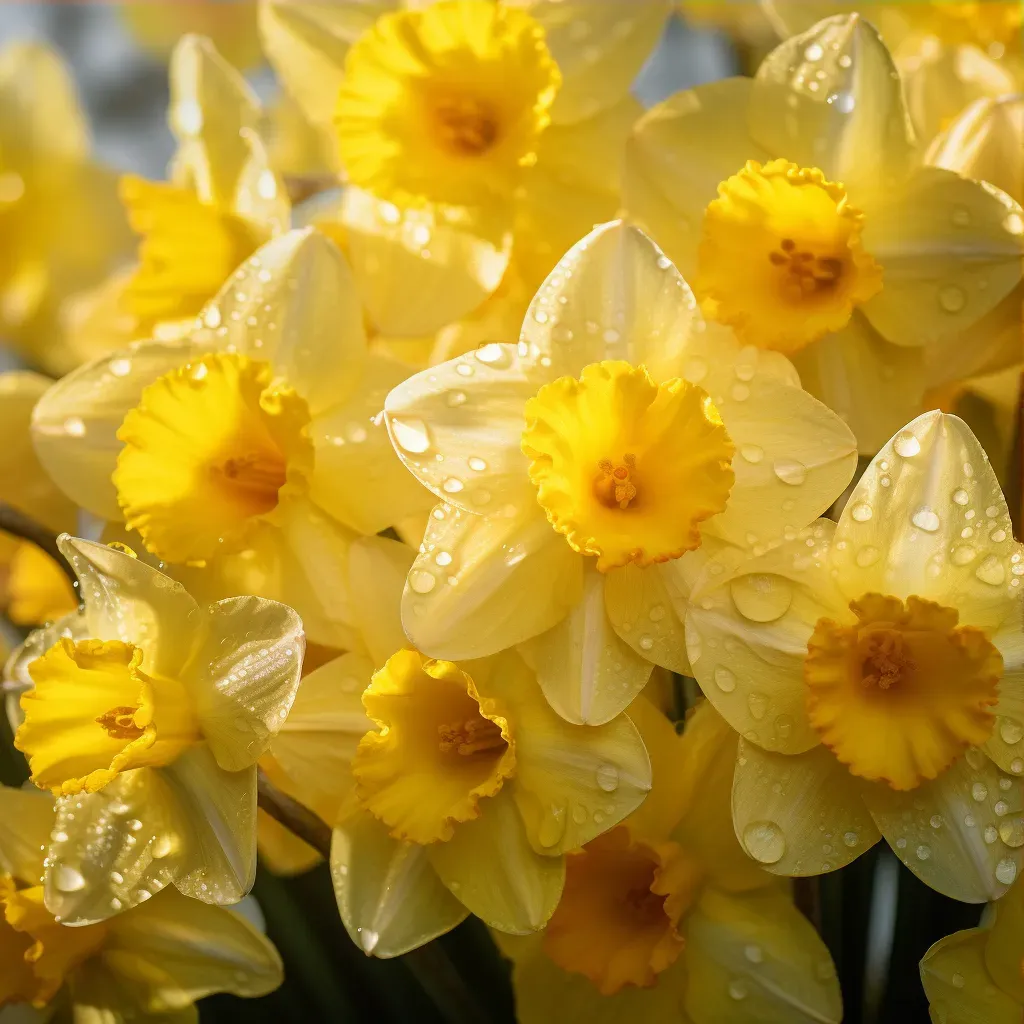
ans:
(93, 713)
(39, 952)
(445, 104)
(617, 921)
(901, 692)
(187, 250)
(208, 449)
(781, 258)
(439, 749)
(646, 504)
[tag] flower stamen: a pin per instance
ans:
(615, 487)
(474, 736)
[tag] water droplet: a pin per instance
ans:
(657, 613)
(1010, 731)
(958, 981)
(862, 512)
(979, 791)
(608, 777)
(494, 355)
(74, 426)
(724, 679)
(991, 571)
(960, 496)
(737, 989)
(1012, 832)
(963, 555)
(764, 841)
(935, 821)
(925, 519)
(850, 838)
(646, 642)
(997, 536)
(411, 435)
(59, 836)
(991, 835)
(906, 444)
(368, 939)
(452, 485)
(579, 814)
(552, 827)
(923, 852)
(443, 558)
(761, 597)
(1017, 765)
(952, 298)
(751, 453)
(1006, 871)
(422, 582)
(477, 465)
(814, 52)
(753, 953)
(161, 846)
(1001, 808)
(68, 878)
(867, 555)
(789, 471)
(757, 704)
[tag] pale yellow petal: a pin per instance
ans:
(490, 866)
(128, 600)
(748, 624)
(178, 950)
(928, 518)
(469, 411)
(112, 849)
(389, 896)
(26, 818)
(216, 810)
(415, 272)
(599, 49)
(799, 814)
(950, 831)
(959, 988)
(755, 959)
(318, 740)
(1005, 945)
(295, 304)
(500, 580)
(378, 568)
(873, 385)
(75, 423)
(246, 674)
(357, 476)
(614, 295)
(851, 121)
(37, 643)
(951, 249)
(588, 674)
(571, 782)
(679, 153)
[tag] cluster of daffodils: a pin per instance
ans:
(562, 500)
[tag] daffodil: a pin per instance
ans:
(33, 588)
(504, 117)
(665, 919)
(585, 474)
(149, 963)
(145, 716)
(59, 220)
(873, 669)
(976, 975)
(247, 453)
(796, 203)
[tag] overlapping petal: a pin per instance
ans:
(25, 824)
(378, 568)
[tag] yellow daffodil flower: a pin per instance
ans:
(586, 473)
(252, 448)
(145, 717)
(156, 959)
(59, 220)
(976, 974)
(33, 588)
(796, 203)
(665, 919)
(505, 117)
(873, 669)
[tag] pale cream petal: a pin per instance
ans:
(614, 295)
(1005, 943)
(928, 518)
(747, 627)
(126, 599)
(318, 740)
(851, 121)
(874, 386)
(389, 896)
(491, 868)
(75, 423)
(294, 303)
(799, 814)
(415, 272)
(599, 48)
(177, 950)
(572, 782)
(679, 153)
(112, 849)
(26, 819)
(378, 568)
(23, 481)
(755, 959)
(216, 812)
(960, 833)
(482, 584)
(307, 43)
(357, 476)
(790, 467)
(950, 249)
(959, 988)
(16, 677)
(588, 674)
(245, 675)
(458, 428)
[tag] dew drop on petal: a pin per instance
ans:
(608, 777)
(68, 878)
(925, 519)
(761, 597)
(1006, 871)
(764, 841)
(789, 471)
(411, 435)
(862, 511)
(906, 444)
(991, 571)
(724, 679)
(422, 582)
